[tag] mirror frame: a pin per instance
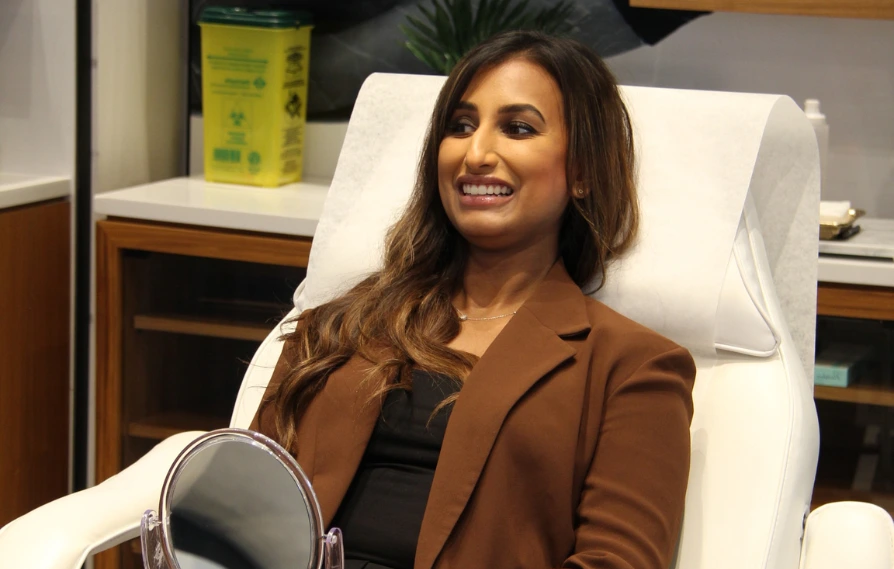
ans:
(321, 543)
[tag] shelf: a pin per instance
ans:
(855, 301)
(159, 427)
(198, 326)
(865, 394)
(875, 9)
(21, 189)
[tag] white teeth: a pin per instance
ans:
(481, 190)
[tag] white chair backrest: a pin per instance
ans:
(713, 169)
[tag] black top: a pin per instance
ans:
(381, 514)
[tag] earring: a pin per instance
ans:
(579, 191)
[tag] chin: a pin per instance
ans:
(476, 231)
(487, 240)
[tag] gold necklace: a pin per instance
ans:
(463, 317)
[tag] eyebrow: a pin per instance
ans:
(505, 109)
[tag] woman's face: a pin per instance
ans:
(501, 164)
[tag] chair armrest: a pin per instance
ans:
(848, 534)
(61, 534)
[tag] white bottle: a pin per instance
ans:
(821, 128)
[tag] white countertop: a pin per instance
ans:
(866, 258)
(294, 209)
(23, 189)
(875, 239)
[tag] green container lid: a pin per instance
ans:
(255, 18)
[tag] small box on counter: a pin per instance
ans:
(839, 365)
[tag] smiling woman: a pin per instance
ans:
(501, 418)
(501, 179)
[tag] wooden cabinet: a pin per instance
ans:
(180, 312)
(877, 9)
(863, 302)
(856, 422)
(35, 296)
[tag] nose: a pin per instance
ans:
(481, 154)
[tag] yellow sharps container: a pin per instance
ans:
(254, 88)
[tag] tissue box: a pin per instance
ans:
(834, 212)
(839, 365)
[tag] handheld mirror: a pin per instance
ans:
(235, 499)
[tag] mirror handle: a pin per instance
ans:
(150, 532)
(334, 550)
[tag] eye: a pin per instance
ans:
(462, 125)
(519, 128)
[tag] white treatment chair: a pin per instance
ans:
(725, 265)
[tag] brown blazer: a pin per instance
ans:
(568, 445)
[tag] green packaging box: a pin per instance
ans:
(839, 365)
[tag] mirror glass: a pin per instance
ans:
(234, 505)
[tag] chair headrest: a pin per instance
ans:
(698, 154)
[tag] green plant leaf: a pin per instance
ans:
(515, 18)
(483, 18)
(463, 23)
(453, 27)
(443, 30)
(427, 12)
(450, 62)
(420, 40)
(555, 20)
(446, 33)
(428, 59)
(421, 28)
(491, 24)
(424, 30)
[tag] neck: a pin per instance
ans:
(500, 283)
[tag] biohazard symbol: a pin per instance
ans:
(293, 105)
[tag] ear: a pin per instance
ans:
(578, 189)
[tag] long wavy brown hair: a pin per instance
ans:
(402, 317)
